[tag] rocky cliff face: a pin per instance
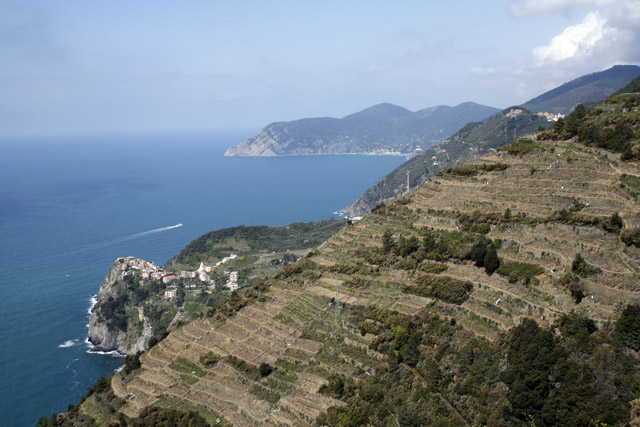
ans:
(115, 324)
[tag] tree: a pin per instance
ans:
(627, 329)
(491, 261)
(429, 242)
(387, 242)
(265, 369)
(575, 119)
(478, 252)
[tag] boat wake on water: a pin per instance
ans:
(120, 240)
(156, 230)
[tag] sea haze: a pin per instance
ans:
(70, 205)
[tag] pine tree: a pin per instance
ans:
(491, 261)
(387, 242)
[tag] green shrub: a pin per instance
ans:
(265, 369)
(517, 271)
(631, 237)
(582, 268)
(444, 288)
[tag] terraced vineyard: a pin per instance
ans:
(538, 208)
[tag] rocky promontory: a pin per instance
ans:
(116, 323)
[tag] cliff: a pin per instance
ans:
(116, 323)
(381, 129)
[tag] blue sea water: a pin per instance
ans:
(70, 205)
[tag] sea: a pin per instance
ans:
(70, 205)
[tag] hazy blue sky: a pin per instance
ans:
(109, 65)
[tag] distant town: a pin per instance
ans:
(150, 271)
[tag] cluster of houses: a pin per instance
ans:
(550, 116)
(436, 162)
(202, 274)
(136, 267)
(145, 269)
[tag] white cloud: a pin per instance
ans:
(576, 41)
(542, 7)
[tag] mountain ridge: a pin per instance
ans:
(591, 87)
(380, 129)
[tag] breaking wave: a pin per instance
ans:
(68, 343)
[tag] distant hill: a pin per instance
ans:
(381, 129)
(592, 87)
(472, 140)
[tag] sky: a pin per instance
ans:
(78, 66)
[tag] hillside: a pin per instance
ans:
(495, 294)
(254, 241)
(632, 87)
(381, 129)
(472, 140)
(592, 87)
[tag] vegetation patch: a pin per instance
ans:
(240, 300)
(432, 267)
(265, 394)
(182, 405)
(219, 243)
(284, 377)
(604, 127)
(631, 237)
(631, 184)
(477, 222)
(289, 366)
(520, 271)
(182, 365)
(249, 371)
(473, 170)
(188, 379)
(209, 360)
(521, 147)
(583, 268)
(283, 318)
(444, 288)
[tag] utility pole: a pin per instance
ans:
(337, 303)
(408, 187)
